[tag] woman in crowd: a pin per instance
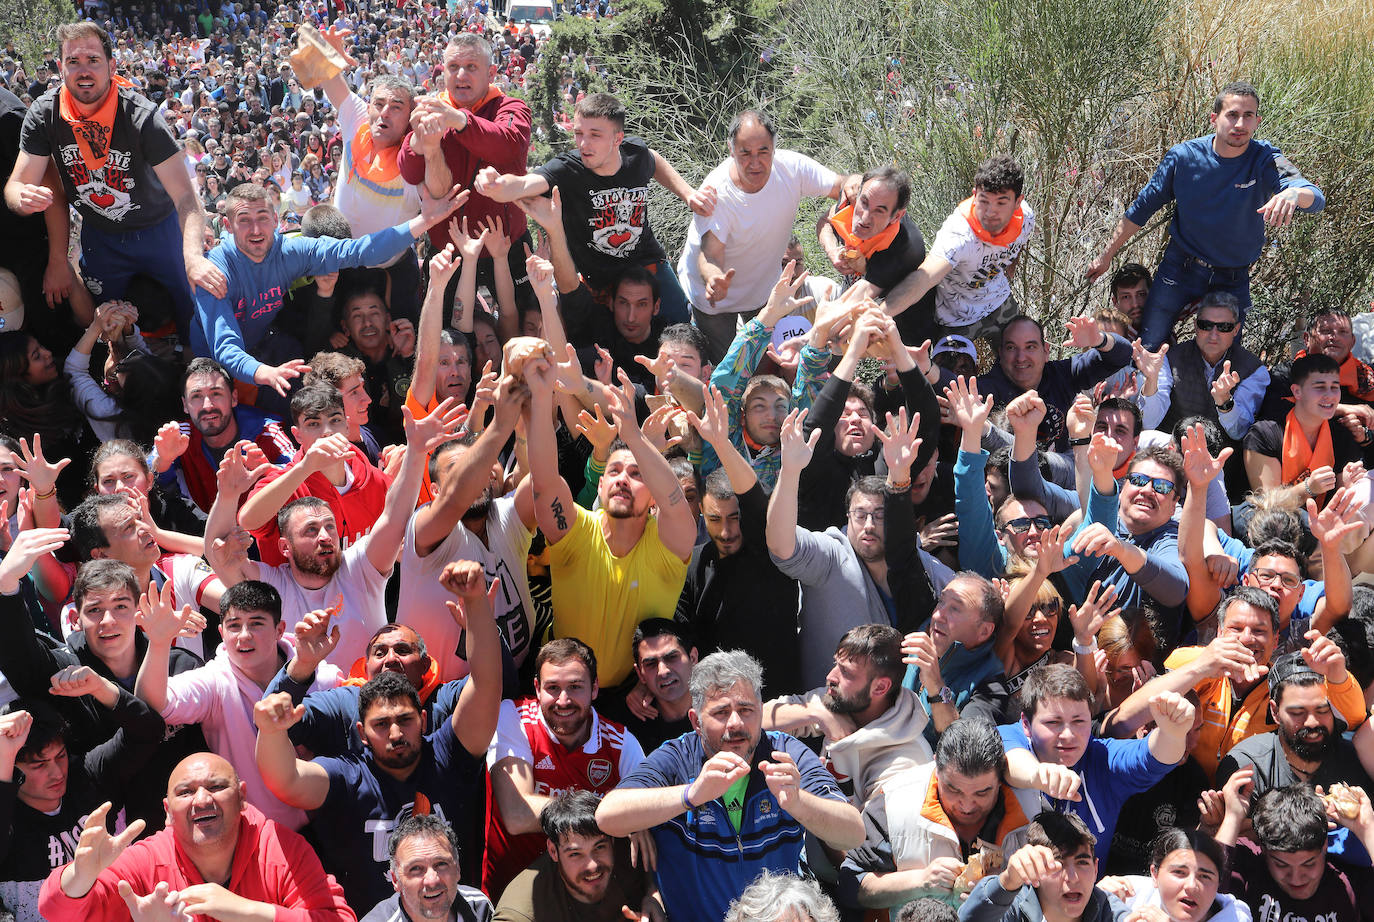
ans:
(1185, 874)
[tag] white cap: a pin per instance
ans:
(961, 345)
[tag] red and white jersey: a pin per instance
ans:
(610, 753)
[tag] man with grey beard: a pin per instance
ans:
(469, 520)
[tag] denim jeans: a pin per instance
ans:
(1179, 281)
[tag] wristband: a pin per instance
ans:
(1082, 650)
(899, 486)
(1106, 339)
(1081, 443)
(686, 801)
(48, 495)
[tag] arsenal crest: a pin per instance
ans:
(598, 771)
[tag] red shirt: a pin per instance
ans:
(595, 767)
(271, 864)
(497, 135)
(354, 511)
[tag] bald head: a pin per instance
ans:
(206, 762)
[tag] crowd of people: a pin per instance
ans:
(429, 543)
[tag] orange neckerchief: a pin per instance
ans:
(1008, 234)
(1355, 376)
(94, 126)
(1124, 469)
(1300, 458)
(381, 166)
(492, 93)
(843, 223)
(432, 680)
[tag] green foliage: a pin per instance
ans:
(32, 26)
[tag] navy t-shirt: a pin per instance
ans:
(364, 804)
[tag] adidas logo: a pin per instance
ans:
(545, 765)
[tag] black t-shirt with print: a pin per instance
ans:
(125, 194)
(607, 217)
(898, 259)
(1342, 896)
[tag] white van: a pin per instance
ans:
(540, 14)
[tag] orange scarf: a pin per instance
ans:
(843, 223)
(1356, 376)
(492, 93)
(1300, 458)
(1008, 234)
(1125, 467)
(379, 167)
(94, 126)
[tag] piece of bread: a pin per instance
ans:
(1344, 800)
(315, 60)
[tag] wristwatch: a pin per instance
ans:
(1079, 443)
(945, 697)
(1228, 406)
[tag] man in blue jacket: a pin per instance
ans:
(260, 265)
(1226, 187)
(728, 802)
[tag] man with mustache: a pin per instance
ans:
(470, 520)
(354, 801)
(546, 744)
(215, 422)
(1307, 746)
(1226, 187)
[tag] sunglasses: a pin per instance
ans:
(1158, 484)
(1022, 525)
(1225, 326)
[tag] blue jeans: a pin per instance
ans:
(110, 260)
(1179, 281)
(672, 302)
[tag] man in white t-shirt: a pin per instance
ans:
(469, 520)
(319, 573)
(973, 259)
(726, 268)
(371, 192)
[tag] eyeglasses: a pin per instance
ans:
(858, 516)
(1286, 580)
(1158, 484)
(1022, 525)
(1224, 326)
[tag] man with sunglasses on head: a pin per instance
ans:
(1211, 375)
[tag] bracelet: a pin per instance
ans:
(1082, 650)
(1106, 338)
(48, 495)
(899, 487)
(687, 801)
(1081, 443)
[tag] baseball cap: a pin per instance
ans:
(11, 302)
(1286, 667)
(955, 343)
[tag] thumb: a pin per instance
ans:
(729, 274)
(629, 914)
(129, 896)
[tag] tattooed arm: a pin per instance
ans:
(553, 499)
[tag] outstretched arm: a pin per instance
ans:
(475, 715)
(554, 508)
(782, 505)
(294, 781)
(442, 265)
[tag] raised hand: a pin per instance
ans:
(443, 264)
(783, 779)
(967, 408)
(1341, 517)
(497, 241)
(37, 469)
(1058, 781)
(162, 905)
(402, 334)
(315, 638)
(279, 377)
(1227, 656)
(1224, 384)
(1081, 417)
(14, 732)
(1238, 790)
(427, 433)
(944, 532)
(1029, 864)
(467, 580)
(434, 210)
(1325, 657)
(544, 210)
(169, 444)
(96, 850)
(900, 443)
(1097, 540)
(783, 300)
(29, 545)
(918, 649)
(1103, 451)
(1198, 464)
(469, 247)
(158, 616)
(1146, 362)
(593, 426)
(1172, 711)
(1052, 558)
(1096, 608)
(796, 447)
(327, 450)
(1084, 333)
(234, 476)
(655, 428)
(720, 771)
(276, 713)
(1026, 413)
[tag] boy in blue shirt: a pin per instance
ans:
(1053, 750)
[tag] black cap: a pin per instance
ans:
(1288, 666)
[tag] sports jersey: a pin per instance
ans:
(609, 754)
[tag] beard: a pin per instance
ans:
(309, 563)
(836, 703)
(1309, 745)
(482, 505)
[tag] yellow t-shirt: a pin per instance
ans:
(600, 598)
